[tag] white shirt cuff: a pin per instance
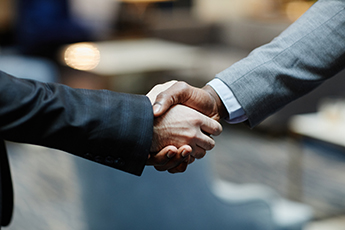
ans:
(235, 110)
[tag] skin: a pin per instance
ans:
(175, 163)
(204, 100)
(182, 125)
(180, 135)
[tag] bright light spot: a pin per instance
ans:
(82, 56)
(294, 10)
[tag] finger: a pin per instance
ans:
(183, 153)
(177, 93)
(180, 168)
(211, 126)
(163, 156)
(203, 141)
(198, 152)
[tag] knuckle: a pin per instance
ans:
(165, 97)
(184, 90)
(192, 137)
(161, 96)
(158, 86)
(197, 122)
(194, 134)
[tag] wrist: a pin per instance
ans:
(221, 109)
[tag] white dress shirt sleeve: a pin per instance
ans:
(235, 110)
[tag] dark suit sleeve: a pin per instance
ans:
(6, 188)
(113, 129)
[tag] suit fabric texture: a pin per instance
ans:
(306, 54)
(113, 129)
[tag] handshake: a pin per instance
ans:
(185, 119)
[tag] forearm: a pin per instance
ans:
(309, 52)
(111, 128)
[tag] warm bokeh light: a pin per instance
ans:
(295, 9)
(82, 56)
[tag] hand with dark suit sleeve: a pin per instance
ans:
(113, 129)
(110, 128)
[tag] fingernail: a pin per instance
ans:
(184, 153)
(156, 108)
(171, 154)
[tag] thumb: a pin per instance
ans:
(176, 94)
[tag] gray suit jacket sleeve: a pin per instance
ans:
(113, 129)
(306, 54)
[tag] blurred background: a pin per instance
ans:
(288, 173)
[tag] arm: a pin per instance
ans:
(309, 52)
(114, 129)
(110, 128)
(306, 54)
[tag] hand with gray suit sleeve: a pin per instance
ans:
(204, 100)
(301, 58)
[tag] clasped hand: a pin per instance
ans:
(182, 133)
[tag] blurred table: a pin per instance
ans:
(317, 126)
(145, 55)
(134, 66)
(314, 126)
